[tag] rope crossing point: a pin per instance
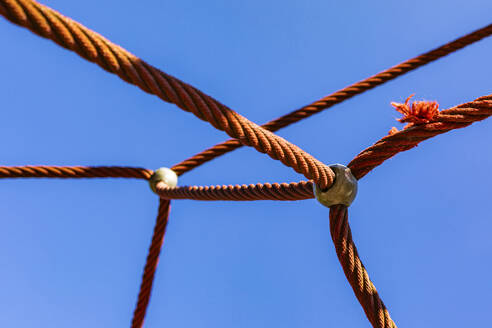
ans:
(339, 96)
(95, 48)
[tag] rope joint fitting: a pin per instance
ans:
(163, 174)
(342, 191)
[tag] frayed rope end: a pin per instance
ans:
(418, 112)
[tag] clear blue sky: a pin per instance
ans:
(72, 251)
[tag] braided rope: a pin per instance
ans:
(151, 264)
(74, 172)
(95, 48)
(339, 96)
(354, 270)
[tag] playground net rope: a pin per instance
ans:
(423, 124)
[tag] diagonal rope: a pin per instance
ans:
(453, 118)
(456, 117)
(95, 48)
(339, 96)
(90, 45)
(447, 120)
(151, 264)
(354, 270)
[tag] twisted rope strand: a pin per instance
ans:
(95, 48)
(151, 264)
(339, 96)
(354, 270)
(284, 191)
(456, 117)
(74, 172)
(453, 118)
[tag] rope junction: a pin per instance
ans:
(423, 118)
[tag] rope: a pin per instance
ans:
(453, 118)
(74, 172)
(354, 270)
(338, 97)
(151, 264)
(425, 122)
(284, 191)
(95, 48)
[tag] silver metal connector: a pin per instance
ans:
(165, 175)
(342, 191)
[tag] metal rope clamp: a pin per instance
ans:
(165, 175)
(342, 191)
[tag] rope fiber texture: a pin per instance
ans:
(151, 264)
(338, 97)
(454, 118)
(354, 270)
(283, 191)
(95, 48)
(74, 172)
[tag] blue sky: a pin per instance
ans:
(72, 251)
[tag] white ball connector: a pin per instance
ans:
(165, 175)
(342, 191)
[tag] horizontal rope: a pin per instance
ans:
(456, 117)
(453, 118)
(339, 96)
(267, 191)
(95, 48)
(74, 172)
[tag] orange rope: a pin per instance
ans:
(74, 172)
(95, 48)
(356, 273)
(456, 117)
(338, 97)
(425, 121)
(284, 191)
(453, 118)
(151, 264)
